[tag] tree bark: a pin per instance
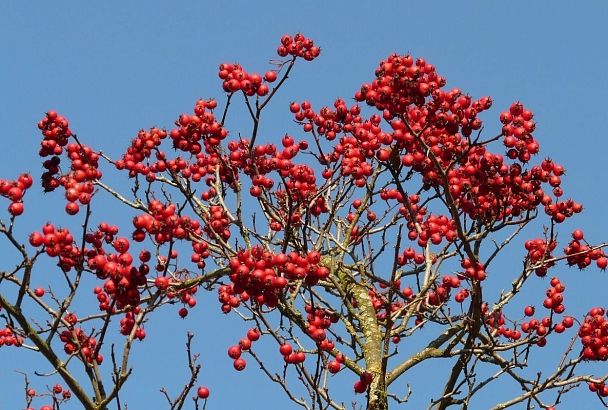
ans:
(377, 398)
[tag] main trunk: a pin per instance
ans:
(377, 398)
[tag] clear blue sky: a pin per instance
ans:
(116, 67)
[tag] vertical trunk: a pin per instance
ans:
(377, 398)
(372, 349)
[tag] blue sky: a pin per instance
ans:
(116, 67)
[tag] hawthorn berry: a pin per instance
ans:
(240, 364)
(202, 392)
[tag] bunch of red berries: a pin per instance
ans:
(57, 243)
(236, 79)
(517, 129)
(581, 254)
(9, 338)
(164, 224)
(218, 223)
(555, 297)
(55, 130)
(77, 342)
(319, 320)
(539, 251)
(594, 335)
(199, 130)
(142, 147)
(14, 191)
(298, 46)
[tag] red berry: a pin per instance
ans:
(36, 239)
(72, 208)
(15, 208)
(294, 107)
(234, 352)
(577, 235)
(202, 392)
(240, 364)
(360, 387)
(270, 76)
(333, 366)
(285, 349)
(253, 334)
(161, 282)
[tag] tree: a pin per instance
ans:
(376, 228)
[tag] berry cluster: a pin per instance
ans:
(379, 302)
(291, 357)
(579, 252)
(236, 79)
(230, 299)
(334, 366)
(57, 243)
(542, 327)
(77, 342)
(78, 183)
(365, 379)
(164, 224)
(142, 147)
(400, 81)
(58, 392)
(128, 322)
(319, 320)
(555, 298)
(601, 389)
(9, 338)
(218, 223)
(487, 188)
(503, 330)
(298, 46)
(264, 275)
(14, 191)
(263, 161)
(517, 129)
(361, 140)
(301, 183)
(84, 163)
(200, 127)
(121, 278)
(594, 335)
(472, 270)
(235, 352)
(55, 130)
(186, 296)
(255, 273)
(330, 122)
(409, 254)
(461, 295)
(441, 293)
(539, 251)
(553, 302)
(435, 228)
(561, 210)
